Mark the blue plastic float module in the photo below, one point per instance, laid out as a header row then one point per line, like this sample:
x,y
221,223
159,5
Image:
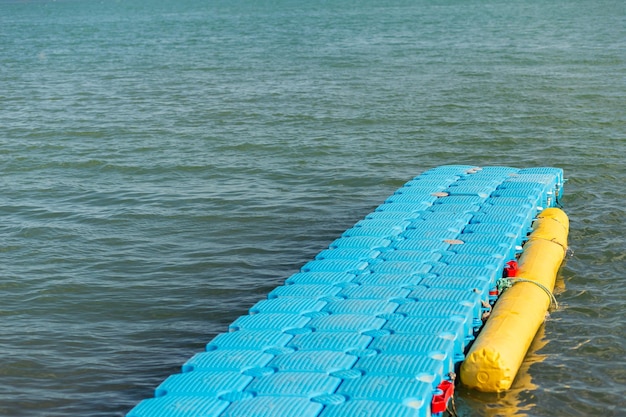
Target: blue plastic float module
x,y
376,322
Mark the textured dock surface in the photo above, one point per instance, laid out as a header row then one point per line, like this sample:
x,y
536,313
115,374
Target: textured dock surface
x,y
375,323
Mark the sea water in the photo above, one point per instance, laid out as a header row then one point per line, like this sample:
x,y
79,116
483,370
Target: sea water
x,y
165,164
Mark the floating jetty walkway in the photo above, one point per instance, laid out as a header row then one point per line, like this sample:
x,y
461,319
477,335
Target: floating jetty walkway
x,y
379,323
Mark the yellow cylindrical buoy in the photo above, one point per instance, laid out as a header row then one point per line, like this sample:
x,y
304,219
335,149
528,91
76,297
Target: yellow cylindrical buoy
x,y
498,351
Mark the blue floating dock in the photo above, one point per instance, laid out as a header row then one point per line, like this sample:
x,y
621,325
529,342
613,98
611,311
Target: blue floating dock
x,y
378,323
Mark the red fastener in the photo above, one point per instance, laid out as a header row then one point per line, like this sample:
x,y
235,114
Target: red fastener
x,y
511,269
440,401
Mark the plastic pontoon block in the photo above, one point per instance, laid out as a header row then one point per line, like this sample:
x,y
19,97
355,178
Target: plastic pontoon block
x,y
377,321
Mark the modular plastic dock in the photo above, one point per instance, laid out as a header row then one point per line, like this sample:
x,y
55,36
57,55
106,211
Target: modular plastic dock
x,y
378,323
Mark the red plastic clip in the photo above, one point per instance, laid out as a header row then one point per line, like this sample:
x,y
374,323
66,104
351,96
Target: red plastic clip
x,y
511,269
440,401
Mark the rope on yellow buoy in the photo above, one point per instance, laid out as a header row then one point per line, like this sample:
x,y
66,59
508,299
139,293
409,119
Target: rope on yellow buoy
x,y
505,283
497,353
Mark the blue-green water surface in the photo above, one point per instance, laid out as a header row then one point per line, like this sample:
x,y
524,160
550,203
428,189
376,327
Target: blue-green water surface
x,y
166,164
